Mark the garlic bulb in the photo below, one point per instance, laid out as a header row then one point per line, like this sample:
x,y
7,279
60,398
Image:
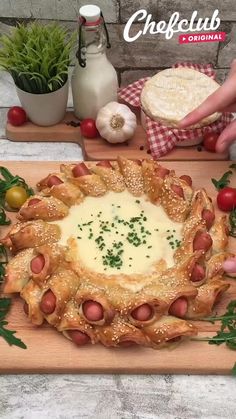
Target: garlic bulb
x,y
116,122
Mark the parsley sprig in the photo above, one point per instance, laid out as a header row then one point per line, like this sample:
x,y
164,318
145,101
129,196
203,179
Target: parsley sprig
x,y
227,332
3,218
8,335
232,223
7,181
3,262
225,179
233,371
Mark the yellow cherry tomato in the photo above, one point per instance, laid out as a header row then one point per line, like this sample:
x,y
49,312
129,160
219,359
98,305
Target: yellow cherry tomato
x,y
16,196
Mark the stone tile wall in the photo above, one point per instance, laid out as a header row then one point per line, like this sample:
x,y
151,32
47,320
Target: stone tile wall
x,y
149,53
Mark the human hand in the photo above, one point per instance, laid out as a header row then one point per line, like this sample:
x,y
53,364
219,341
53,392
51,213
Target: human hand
x,y
222,100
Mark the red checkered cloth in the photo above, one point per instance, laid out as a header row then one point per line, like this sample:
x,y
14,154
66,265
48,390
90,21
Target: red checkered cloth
x,y
162,139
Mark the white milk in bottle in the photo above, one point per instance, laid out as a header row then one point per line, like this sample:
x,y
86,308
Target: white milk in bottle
x,y
94,81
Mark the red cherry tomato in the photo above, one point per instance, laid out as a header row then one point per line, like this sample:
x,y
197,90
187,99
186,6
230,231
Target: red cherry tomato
x,y
88,128
16,116
209,141
226,199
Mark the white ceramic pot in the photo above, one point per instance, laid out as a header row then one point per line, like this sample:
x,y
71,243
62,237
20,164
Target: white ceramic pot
x,y
185,143
47,108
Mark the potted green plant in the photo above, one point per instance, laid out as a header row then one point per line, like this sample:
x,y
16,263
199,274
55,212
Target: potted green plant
x,y
37,57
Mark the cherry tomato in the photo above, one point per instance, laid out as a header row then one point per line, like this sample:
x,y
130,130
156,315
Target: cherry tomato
x,y
16,196
88,128
209,141
226,199
16,116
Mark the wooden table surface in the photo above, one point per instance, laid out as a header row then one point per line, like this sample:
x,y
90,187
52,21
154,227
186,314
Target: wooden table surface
x,y
63,356
102,396
98,148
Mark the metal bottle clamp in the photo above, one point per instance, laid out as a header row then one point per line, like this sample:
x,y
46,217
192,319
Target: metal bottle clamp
x,y
81,59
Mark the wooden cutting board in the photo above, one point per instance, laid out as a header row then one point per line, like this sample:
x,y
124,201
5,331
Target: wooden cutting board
x,y
98,148
48,351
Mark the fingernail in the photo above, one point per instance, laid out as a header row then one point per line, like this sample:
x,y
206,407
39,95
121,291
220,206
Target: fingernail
x,y
229,266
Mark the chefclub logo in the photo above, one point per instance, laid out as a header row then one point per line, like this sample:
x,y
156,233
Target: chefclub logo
x,y
176,25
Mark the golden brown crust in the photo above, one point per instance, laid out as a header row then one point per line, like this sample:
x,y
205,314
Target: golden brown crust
x,y
219,235
132,174
48,209
207,296
200,201
32,295
31,234
120,331
168,329
214,265
53,256
176,207
64,284
71,320
66,192
186,248
152,182
72,284
94,294
18,271
111,177
91,185
43,183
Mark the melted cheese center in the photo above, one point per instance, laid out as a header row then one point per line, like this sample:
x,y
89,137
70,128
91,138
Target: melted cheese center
x,y
119,233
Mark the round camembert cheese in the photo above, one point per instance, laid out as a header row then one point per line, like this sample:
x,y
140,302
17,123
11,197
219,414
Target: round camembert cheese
x,y
171,94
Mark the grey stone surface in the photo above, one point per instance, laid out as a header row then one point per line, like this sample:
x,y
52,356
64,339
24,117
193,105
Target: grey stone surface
x,y
154,51
3,118
129,76
100,396
10,150
55,9
227,51
163,9
117,397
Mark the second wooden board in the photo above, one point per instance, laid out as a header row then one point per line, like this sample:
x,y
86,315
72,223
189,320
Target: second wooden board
x,y
99,149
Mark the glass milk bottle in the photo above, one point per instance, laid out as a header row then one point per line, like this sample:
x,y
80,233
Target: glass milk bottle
x,y
94,81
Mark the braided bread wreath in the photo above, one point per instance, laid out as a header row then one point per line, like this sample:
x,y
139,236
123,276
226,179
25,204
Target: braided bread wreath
x,y
118,253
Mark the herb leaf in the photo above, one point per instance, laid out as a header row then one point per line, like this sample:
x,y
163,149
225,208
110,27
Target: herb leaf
x,y
233,371
227,332
233,166
223,181
3,218
8,335
232,222
3,262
